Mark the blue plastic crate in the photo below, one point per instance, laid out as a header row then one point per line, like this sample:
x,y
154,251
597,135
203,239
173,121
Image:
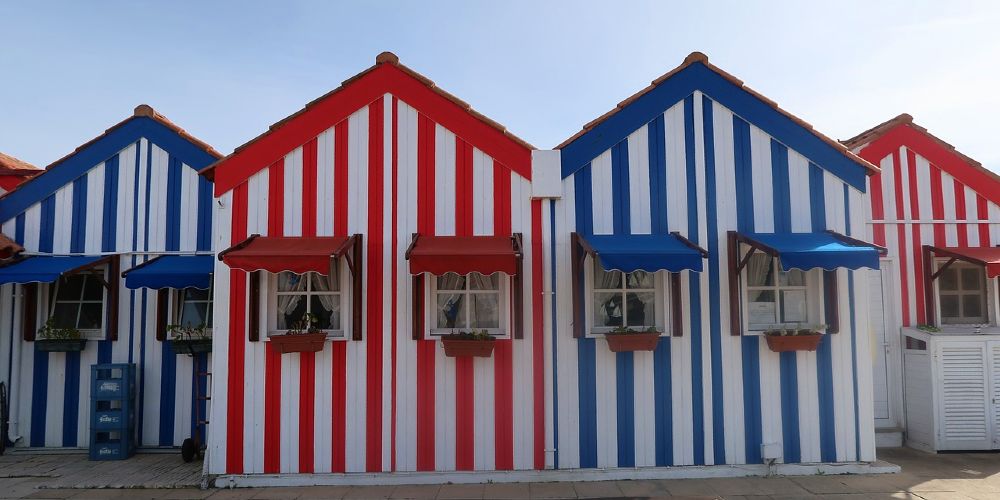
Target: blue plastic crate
x,y
112,420
112,381
111,445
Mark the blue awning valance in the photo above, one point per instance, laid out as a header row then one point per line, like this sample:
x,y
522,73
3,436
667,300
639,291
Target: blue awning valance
x,y
44,269
644,252
827,250
172,271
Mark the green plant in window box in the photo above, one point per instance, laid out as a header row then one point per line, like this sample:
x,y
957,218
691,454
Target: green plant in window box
x,y
302,336
625,339
795,338
928,328
54,339
468,344
190,340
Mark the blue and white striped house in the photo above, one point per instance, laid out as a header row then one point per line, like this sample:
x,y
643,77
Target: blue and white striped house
x,y
698,154
130,195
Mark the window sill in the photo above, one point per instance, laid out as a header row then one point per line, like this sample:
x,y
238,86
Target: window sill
x,y
335,335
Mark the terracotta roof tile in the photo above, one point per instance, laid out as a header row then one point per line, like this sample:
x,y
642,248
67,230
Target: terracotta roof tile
x,y
13,166
698,57
9,247
383,58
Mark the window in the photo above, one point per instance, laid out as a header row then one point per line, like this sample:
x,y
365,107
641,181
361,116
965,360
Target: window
x,y
296,295
78,302
469,302
962,292
775,298
195,308
623,299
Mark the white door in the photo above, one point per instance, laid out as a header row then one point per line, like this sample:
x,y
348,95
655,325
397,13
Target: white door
x,y
965,415
885,350
994,387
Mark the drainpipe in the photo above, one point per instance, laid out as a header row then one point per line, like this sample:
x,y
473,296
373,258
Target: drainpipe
x,y
16,345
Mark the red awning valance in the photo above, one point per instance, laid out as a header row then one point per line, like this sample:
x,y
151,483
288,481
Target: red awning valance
x,y
464,254
988,257
287,253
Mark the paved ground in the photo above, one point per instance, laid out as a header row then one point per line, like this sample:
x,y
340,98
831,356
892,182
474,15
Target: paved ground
x,y
924,476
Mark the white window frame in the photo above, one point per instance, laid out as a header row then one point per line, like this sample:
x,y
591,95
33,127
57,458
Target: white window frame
x,y
99,272
814,296
503,329
178,305
988,291
269,303
662,301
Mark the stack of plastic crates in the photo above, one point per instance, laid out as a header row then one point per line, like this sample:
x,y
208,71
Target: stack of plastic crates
x,y
112,411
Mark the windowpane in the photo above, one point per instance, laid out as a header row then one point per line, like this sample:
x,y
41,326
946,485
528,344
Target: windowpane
x,y
93,289
639,279
795,277
322,308
971,278
480,282
793,306
194,314
760,270
324,283
608,309
70,287
606,280
949,306
64,315
948,279
195,294
641,310
291,311
451,281
763,310
451,310
485,310
290,282
972,306
90,316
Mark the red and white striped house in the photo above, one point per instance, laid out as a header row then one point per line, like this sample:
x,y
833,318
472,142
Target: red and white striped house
x,y
376,171
929,202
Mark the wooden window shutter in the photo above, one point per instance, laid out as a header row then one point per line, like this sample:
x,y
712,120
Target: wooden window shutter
x,y
831,302
578,258
735,315
418,307
676,309
356,288
29,319
253,322
114,283
162,313
517,282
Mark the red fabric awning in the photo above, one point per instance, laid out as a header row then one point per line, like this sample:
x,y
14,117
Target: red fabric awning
x,y
464,254
286,253
988,257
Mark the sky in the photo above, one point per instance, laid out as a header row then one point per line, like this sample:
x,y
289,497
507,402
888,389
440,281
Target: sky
x,y
226,70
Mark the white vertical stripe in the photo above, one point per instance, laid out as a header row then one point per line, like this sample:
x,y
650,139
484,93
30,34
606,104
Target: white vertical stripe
x,y
444,176
638,178
293,193
602,193
482,196
324,183
94,217
673,125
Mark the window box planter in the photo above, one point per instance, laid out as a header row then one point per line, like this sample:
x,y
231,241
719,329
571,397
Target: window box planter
x,y
191,346
468,345
298,342
60,345
630,341
803,340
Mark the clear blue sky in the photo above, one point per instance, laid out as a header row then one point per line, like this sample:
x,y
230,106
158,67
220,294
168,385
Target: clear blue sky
x,y
226,70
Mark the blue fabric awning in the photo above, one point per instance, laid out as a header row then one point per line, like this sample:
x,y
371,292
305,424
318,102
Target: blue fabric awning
x,y
43,268
806,251
644,252
172,271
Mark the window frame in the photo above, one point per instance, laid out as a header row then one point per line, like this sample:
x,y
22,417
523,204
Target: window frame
x,y
503,324
813,290
661,300
178,305
270,302
97,272
986,294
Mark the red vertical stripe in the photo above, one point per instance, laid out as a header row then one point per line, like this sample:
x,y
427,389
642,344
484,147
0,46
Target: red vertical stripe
x,y
878,209
307,360
503,378
338,427
918,264
537,335
961,214
395,189
904,282
272,358
425,348
374,241
237,341
937,205
465,375
340,179
982,211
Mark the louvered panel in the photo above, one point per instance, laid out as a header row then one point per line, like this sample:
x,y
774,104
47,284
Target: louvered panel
x,y
995,391
965,412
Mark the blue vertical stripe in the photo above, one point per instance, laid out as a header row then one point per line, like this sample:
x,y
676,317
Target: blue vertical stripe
x,y
46,222
168,359
204,214
620,188
657,176
697,384
854,332
19,229
173,223
586,360
40,367
77,244
135,247
144,293
78,229
824,353
625,372
714,292
788,364
555,335
752,425
109,234
663,405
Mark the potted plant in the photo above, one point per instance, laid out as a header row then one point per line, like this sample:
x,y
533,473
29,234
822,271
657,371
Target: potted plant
x,y
190,340
468,344
303,336
794,339
624,339
54,339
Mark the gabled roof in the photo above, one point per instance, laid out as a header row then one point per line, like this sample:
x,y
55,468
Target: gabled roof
x,y
145,122
881,140
13,166
696,73
388,75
